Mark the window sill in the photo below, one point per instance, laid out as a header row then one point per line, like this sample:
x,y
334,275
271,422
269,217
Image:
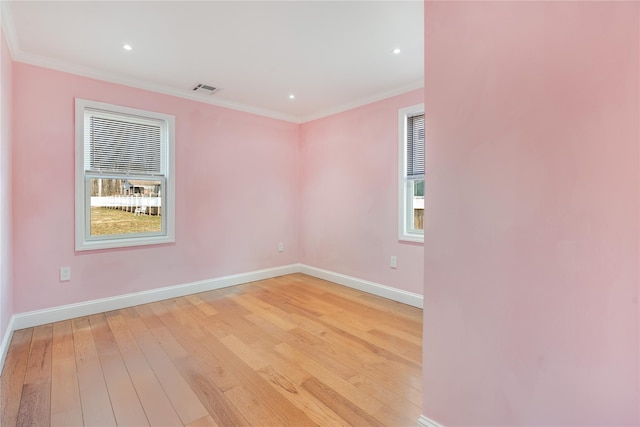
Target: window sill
x,y
413,238
91,245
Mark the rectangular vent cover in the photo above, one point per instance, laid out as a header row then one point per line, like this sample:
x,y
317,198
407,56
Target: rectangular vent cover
x,y
199,87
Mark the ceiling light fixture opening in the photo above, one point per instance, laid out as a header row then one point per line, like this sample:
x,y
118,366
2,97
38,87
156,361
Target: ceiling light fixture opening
x,y
127,47
396,51
292,96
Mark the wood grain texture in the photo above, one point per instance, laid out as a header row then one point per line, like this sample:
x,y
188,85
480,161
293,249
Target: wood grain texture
x,y
15,366
293,350
66,408
35,403
96,406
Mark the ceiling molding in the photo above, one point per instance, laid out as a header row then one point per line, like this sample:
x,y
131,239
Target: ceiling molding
x,y
419,84
8,28
51,63
66,67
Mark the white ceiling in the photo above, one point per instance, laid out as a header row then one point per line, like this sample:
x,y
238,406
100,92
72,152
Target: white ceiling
x,y
333,55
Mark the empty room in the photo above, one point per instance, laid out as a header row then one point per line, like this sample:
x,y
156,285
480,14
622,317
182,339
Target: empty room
x,y
329,213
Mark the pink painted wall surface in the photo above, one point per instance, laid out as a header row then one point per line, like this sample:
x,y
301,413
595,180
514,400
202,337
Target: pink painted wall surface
x,y
532,254
349,195
236,194
6,295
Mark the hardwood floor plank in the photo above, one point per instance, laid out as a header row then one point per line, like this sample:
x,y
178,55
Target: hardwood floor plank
x,y
243,352
155,402
204,373
395,313
203,422
191,339
182,397
343,407
66,407
214,400
96,405
13,374
364,313
35,403
382,412
296,304
292,350
273,372
380,345
317,412
393,394
124,399
253,407
269,312
253,383
409,350
202,305
390,331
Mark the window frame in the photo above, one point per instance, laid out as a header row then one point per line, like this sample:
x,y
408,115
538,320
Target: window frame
x,y
405,205
83,239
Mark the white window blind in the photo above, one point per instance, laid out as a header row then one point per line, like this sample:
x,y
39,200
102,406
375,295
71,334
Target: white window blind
x,y
122,144
415,147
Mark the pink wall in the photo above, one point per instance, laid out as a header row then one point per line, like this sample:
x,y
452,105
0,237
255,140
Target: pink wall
x,y
349,195
6,297
531,255
236,192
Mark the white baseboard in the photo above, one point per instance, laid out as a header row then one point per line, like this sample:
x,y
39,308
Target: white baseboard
x,y
87,308
405,297
56,314
426,422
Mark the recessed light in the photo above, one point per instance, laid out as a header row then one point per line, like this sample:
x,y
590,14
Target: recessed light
x,y
292,96
127,47
396,51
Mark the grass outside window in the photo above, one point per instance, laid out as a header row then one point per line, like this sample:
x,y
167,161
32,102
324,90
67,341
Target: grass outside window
x,y
105,222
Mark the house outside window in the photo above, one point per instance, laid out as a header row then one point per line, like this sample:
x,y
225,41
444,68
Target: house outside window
x,y
411,173
124,176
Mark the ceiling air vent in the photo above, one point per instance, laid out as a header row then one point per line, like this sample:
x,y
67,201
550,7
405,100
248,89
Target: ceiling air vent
x,y
199,87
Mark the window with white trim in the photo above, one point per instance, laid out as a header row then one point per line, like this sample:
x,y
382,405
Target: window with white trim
x,y
124,176
411,173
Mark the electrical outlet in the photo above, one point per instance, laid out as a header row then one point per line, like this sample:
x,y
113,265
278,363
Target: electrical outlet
x,y
281,247
394,262
65,274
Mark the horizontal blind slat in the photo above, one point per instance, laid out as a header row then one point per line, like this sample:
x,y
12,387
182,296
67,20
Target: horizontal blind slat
x,y
415,146
123,146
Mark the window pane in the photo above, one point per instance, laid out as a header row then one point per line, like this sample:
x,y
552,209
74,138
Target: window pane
x,y
125,206
418,188
416,204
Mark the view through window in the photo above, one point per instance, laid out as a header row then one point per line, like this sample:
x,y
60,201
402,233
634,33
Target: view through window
x,y
125,206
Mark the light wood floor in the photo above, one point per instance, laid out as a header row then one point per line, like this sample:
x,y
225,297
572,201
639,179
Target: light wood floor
x,y
290,351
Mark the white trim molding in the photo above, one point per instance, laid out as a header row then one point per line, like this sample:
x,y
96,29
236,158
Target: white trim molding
x,y
56,314
426,422
406,233
405,297
19,55
87,308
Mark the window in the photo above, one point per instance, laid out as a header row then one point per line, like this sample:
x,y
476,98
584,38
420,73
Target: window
x,y
124,176
411,173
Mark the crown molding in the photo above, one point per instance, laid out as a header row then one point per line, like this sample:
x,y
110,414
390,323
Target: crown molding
x,y
93,73
46,62
418,84
9,30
